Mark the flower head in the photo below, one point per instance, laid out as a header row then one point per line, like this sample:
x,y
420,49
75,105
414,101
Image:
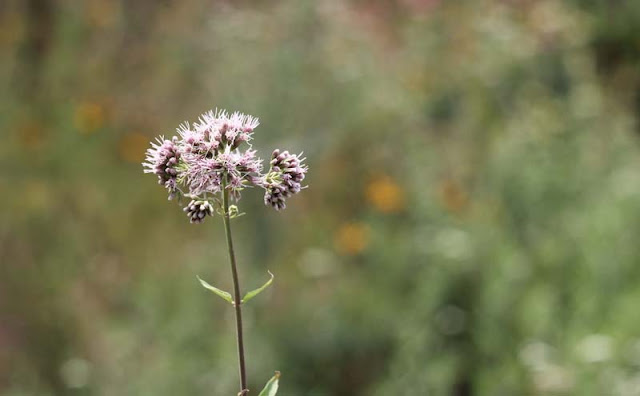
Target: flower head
x,y
205,175
206,157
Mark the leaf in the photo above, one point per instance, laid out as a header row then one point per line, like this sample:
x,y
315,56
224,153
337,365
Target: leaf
x,y
255,292
272,386
221,293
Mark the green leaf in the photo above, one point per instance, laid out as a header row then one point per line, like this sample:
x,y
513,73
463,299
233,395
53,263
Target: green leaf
x,y
255,292
221,293
272,386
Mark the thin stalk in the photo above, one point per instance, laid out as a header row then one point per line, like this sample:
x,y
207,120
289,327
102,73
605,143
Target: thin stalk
x,y
236,288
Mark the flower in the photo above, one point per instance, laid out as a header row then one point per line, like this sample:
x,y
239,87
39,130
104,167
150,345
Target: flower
x,y
205,157
284,178
385,195
352,238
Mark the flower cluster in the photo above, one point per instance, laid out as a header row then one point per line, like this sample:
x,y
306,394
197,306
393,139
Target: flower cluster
x,y
205,159
284,178
162,159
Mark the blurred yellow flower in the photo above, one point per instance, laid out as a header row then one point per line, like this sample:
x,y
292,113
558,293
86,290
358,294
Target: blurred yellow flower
x,y
88,117
385,195
132,147
352,238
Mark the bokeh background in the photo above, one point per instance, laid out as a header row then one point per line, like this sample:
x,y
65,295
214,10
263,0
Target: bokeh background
x,y
471,225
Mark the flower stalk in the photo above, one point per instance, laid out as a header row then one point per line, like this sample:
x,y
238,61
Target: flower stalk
x,y
236,288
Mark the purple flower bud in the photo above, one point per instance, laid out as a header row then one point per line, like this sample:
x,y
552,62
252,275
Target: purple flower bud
x,y
283,180
161,160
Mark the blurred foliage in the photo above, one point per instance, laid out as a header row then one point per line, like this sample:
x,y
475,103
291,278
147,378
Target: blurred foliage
x,y
470,226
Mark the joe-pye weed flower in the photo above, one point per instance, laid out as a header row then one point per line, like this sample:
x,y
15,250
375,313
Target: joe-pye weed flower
x,y
211,162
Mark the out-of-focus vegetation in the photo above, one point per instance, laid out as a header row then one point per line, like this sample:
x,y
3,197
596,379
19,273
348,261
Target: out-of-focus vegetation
x,y
470,228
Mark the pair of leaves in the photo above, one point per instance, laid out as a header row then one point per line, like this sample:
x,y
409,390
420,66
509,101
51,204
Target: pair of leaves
x,y
271,389
227,296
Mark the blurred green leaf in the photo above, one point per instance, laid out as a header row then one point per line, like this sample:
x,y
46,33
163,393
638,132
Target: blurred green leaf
x,y
272,386
221,293
255,292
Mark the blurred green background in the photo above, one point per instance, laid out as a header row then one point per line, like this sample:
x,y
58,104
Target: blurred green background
x,y
471,225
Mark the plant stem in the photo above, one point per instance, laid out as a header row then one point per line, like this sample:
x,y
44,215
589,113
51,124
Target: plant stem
x,y
236,288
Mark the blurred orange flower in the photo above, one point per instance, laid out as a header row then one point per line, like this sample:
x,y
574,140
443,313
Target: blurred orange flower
x,y
352,238
132,147
385,195
88,117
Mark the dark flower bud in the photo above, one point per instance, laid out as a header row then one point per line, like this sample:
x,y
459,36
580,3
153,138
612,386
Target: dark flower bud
x,y
198,210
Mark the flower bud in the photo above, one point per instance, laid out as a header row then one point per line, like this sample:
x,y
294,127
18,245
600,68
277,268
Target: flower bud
x,y
198,210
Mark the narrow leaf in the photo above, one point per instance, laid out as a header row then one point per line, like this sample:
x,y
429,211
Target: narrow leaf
x,y
272,386
221,293
255,292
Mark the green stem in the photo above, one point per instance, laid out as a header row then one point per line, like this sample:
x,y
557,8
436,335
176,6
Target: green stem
x,y
236,288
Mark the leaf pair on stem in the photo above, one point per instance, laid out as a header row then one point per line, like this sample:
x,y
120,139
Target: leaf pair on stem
x,y
271,389
227,296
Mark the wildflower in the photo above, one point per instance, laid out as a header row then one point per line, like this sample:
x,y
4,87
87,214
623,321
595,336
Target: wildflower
x,y
284,178
352,238
206,162
385,195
